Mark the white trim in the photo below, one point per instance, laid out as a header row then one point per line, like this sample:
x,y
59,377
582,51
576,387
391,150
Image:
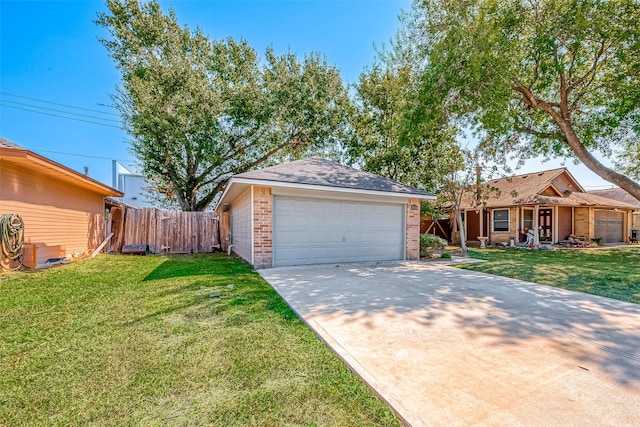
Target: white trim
x,y
554,229
252,222
268,183
533,221
536,222
333,195
405,221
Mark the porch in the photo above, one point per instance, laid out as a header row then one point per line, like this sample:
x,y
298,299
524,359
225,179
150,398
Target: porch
x,y
547,224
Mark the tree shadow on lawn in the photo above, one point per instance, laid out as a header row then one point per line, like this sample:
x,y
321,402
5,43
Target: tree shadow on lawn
x,y
199,265
489,311
229,283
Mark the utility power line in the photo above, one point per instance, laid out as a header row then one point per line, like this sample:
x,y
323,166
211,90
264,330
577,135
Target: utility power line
x,y
59,104
127,161
60,111
62,117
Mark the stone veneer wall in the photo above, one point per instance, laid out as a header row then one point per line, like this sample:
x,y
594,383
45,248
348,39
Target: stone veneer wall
x,y
413,230
262,231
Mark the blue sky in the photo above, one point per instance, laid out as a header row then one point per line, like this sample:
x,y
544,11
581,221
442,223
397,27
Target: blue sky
x,y
49,51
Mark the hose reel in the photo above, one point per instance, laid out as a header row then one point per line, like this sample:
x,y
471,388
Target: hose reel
x,y
11,237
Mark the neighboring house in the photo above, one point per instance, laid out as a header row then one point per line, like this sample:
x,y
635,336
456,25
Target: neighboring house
x,y
62,210
622,196
314,211
134,186
552,203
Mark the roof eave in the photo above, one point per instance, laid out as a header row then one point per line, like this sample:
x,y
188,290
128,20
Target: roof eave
x,y
283,184
67,173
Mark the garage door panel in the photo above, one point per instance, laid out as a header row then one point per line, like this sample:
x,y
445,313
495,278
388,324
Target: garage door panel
x,y
312,231
300,221
285,238
300,206
318,220
317,236
609,225
353,221
319,207
334,208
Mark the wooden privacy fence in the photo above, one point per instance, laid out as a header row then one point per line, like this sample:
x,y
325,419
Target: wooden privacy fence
x,y
164,231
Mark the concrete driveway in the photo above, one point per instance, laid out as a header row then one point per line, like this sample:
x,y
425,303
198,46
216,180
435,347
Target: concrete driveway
x,y
446,347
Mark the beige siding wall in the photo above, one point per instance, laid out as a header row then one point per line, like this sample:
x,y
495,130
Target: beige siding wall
x,y
241,226
564,223
503,236
59,219
584,223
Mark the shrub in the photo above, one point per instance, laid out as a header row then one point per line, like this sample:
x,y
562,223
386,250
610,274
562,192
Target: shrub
x,y
446,255
431,245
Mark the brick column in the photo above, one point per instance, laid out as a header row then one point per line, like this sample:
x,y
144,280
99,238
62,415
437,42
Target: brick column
x,y
413,229
262,233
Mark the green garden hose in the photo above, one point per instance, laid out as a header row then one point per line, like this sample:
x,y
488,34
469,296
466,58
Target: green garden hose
x,y
11,236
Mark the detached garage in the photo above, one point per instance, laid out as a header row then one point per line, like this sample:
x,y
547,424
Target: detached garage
x,y
314,211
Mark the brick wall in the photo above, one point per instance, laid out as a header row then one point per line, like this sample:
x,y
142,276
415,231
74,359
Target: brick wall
x,y
262,232
413,230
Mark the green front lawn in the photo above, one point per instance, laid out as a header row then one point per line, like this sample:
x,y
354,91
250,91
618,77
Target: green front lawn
x,y
125,340
608,273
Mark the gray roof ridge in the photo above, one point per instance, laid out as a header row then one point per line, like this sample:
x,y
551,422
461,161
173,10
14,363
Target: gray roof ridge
x,y
324,172
5,143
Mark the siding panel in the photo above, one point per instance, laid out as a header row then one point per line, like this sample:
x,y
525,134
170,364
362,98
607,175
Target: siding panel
x,y
241,227
59,219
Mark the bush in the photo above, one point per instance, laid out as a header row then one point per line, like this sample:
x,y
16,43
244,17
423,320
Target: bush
x,y
446,255
431,245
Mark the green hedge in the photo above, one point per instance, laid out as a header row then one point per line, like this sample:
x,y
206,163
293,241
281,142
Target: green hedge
x,y
431,244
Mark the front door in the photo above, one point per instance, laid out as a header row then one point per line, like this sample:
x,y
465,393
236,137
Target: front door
x,y
546,227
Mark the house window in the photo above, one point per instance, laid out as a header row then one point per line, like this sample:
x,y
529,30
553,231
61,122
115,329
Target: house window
x,y
501,220
527,219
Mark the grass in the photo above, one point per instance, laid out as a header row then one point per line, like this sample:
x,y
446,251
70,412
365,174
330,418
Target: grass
x,y
608,273
122,340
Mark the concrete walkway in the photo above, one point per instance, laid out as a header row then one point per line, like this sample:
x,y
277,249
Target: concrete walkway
x,y
449,347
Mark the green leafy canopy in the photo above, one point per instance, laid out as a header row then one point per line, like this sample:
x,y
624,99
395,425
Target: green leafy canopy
x,y
537,77
199,110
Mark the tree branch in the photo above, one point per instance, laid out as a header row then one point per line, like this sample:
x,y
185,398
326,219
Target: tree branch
x,y
591,71
546,135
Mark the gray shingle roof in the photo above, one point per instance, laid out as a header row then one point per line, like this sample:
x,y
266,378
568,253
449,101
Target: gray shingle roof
x,y
5,143
322,172
525,189
617,194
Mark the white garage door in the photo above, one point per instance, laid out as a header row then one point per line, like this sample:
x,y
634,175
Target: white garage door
x,y
310,231
609,225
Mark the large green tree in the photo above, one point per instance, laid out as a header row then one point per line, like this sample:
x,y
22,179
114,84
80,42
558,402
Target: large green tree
x,y
384,137
536,77
200,110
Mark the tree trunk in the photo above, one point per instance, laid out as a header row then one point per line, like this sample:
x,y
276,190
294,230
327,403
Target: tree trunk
x,y
593,164
562,119
463,239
